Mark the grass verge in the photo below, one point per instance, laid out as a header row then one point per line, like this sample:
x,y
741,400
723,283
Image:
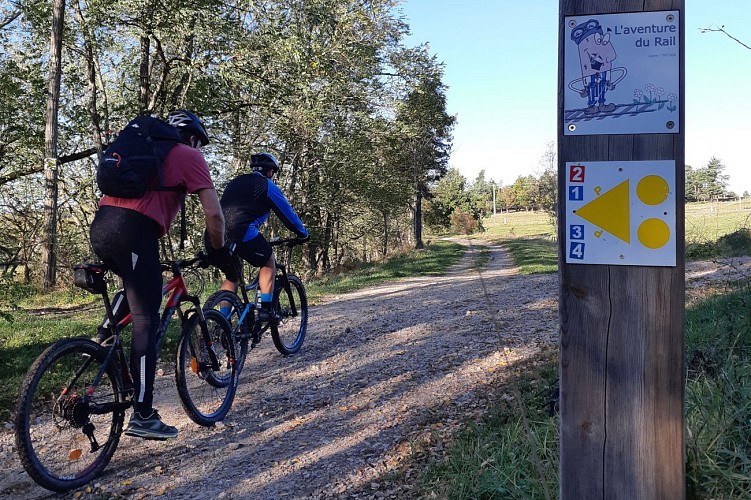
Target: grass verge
x,y
432,260
512,452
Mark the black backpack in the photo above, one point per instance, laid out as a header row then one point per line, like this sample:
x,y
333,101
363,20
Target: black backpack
x,y
132,164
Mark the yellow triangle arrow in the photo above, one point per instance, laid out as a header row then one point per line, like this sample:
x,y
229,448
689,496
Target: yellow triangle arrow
x,y
610,211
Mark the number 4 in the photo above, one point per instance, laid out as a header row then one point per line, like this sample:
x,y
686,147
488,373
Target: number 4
x,y
576,251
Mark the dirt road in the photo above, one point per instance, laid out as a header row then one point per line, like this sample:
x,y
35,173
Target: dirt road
x,y
379,367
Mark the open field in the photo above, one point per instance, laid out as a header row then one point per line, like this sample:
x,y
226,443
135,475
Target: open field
x,y
706,223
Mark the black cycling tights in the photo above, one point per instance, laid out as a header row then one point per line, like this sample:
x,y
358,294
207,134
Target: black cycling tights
x,y
127,241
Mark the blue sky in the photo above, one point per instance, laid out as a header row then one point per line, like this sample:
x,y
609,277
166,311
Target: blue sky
x,y
501,67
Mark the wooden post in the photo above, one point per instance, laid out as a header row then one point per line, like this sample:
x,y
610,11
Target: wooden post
x,y
622,348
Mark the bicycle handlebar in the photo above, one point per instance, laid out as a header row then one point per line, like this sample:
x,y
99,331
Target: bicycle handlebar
x,y
290,242
175,265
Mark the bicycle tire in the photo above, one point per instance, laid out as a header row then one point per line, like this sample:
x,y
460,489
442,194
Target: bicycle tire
x,y
50,424
236,308
195,280
292,306
206,395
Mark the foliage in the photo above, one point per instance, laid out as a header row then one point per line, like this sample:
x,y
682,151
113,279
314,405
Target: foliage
x,y
357,116
454,207
708,183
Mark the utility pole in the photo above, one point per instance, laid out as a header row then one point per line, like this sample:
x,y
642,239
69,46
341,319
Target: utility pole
x,y
621,234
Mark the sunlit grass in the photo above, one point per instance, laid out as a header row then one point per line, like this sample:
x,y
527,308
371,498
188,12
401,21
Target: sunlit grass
x,y
432,260
519,224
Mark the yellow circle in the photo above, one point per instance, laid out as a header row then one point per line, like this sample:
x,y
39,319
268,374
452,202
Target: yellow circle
x,y
653,233
652,190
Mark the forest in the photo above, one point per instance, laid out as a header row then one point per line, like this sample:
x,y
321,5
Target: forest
x,y
357,117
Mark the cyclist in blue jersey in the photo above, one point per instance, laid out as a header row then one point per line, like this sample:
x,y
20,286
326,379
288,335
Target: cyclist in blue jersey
x,y
246,203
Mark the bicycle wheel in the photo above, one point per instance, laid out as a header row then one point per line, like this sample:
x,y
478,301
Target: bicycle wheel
x,y
62,443
292,306
206,394
195,280
217,301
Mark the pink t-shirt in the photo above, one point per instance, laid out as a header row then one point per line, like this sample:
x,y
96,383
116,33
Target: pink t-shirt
x,y
184,167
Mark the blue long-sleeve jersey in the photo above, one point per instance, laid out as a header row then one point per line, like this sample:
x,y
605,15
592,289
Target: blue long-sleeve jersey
x,y
247,201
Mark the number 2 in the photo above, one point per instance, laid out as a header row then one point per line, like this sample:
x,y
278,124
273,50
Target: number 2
x,y
576,173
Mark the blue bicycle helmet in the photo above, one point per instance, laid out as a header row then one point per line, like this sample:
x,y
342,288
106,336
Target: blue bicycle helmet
x,y
263,162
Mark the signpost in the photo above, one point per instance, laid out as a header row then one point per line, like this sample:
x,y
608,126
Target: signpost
x,y
621,241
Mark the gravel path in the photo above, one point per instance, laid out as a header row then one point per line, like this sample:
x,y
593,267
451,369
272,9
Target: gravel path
x,y
381,369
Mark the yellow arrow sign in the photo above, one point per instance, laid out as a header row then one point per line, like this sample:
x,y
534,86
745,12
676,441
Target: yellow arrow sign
x,y
610,211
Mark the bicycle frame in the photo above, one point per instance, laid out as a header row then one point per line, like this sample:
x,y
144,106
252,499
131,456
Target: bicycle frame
x,y
281,271
178,293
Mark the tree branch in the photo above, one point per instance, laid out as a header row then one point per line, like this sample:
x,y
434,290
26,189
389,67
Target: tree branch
x,y
9,18
721,29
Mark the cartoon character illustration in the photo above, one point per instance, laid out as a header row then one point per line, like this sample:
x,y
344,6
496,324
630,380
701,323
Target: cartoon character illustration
x,y
596,55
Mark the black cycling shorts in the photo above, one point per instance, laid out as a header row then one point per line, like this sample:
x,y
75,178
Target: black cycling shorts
x,y
256,251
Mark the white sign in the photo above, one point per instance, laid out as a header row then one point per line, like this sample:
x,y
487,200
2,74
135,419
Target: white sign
x,y
620,212
621,73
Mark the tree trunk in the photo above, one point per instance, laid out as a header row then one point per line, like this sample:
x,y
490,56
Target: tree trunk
x,y
385,247
96,128
418,218
49,247
143,96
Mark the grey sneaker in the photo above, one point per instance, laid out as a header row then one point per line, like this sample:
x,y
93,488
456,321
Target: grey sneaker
x,y
150,427
268,316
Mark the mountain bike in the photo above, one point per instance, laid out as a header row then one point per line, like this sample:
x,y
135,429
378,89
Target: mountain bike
x,y
290,302
72,401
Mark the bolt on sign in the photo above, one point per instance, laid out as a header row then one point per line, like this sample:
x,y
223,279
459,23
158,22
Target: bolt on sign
x,y
621,213
621,73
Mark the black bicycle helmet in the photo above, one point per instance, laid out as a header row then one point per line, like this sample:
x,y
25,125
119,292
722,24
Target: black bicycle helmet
x,y
263,162
188,124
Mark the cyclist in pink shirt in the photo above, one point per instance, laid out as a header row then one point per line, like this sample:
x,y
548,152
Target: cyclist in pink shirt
x,y
125,235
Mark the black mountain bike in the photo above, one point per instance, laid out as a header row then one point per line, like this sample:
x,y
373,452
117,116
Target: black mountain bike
x,y
73,399
290,302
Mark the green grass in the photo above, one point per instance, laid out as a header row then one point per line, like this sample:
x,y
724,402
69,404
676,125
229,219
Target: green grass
x,y
718,396
497,457
482,258
520,224
533,255
432,260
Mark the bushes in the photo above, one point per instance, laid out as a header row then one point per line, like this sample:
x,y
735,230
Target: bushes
x,y
733,244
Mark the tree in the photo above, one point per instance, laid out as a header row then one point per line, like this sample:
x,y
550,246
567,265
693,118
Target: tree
x,y
49,247
357,117
481,195
427,131
716,181
548,182
707,183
